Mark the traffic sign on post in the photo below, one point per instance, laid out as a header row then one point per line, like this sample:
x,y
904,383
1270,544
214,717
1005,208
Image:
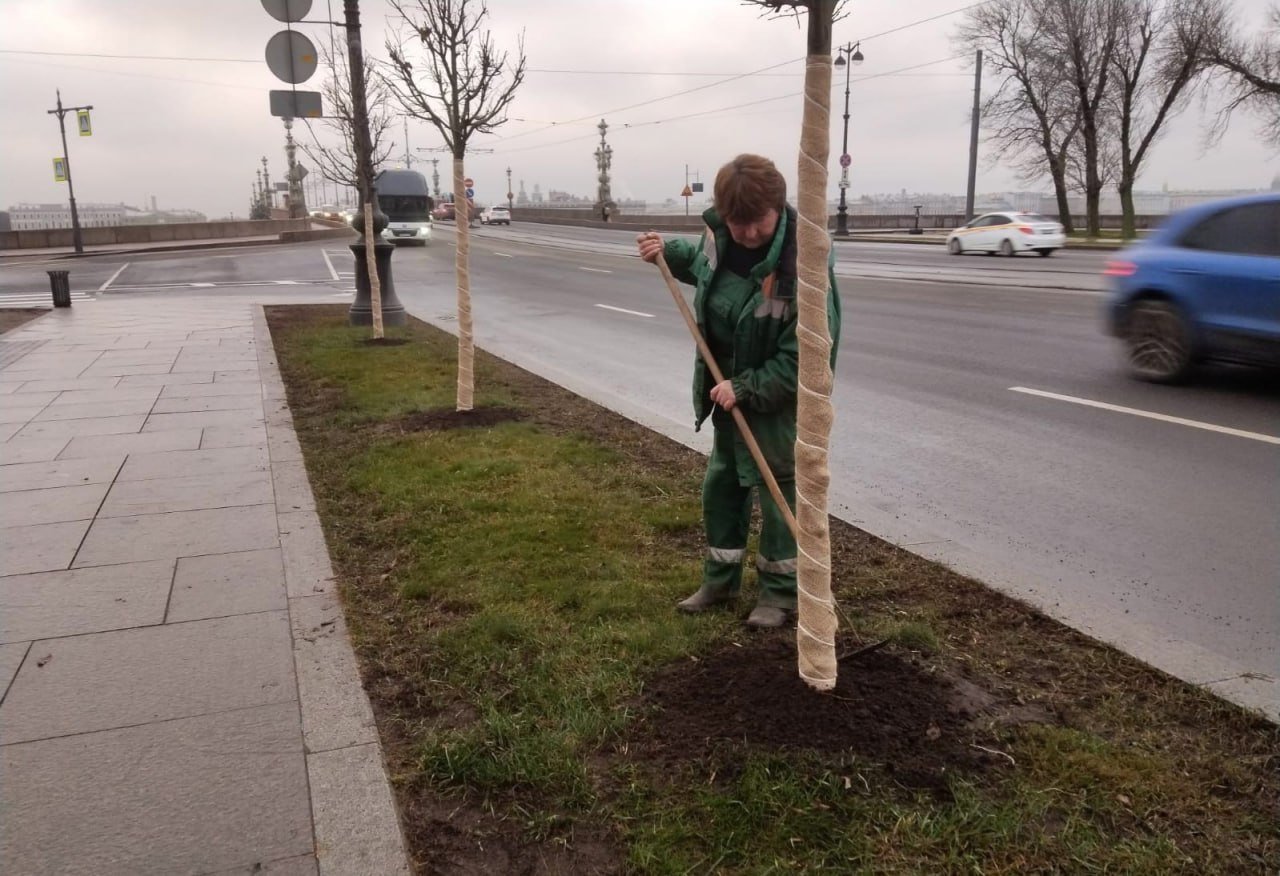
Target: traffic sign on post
x,y
291,57
296,104
287,10
845,160
687,192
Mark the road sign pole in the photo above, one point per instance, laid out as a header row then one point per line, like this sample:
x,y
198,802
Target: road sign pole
x,y
77,239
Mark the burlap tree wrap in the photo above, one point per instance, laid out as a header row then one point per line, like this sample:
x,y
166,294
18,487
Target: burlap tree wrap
x,y
816,616
466,344
371,265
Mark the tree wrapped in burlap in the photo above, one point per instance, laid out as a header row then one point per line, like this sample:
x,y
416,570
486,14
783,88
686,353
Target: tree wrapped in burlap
x,y
816,614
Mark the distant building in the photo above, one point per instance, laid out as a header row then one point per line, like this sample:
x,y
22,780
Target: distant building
x,y
4,221
37,217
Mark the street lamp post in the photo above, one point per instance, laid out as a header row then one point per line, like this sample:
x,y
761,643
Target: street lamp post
x,y
846,56
77,239
510,195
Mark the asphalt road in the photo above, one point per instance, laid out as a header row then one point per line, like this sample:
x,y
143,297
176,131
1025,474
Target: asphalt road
x,y
967,430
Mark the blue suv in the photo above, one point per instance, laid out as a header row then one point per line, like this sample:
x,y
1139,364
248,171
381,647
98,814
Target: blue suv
x,y
1205,285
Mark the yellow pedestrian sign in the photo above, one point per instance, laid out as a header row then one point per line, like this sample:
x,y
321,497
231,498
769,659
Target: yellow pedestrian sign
x,y
59,170
687,193
82,120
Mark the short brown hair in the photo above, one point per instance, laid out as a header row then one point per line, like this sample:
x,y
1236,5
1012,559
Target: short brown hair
x,y
748,187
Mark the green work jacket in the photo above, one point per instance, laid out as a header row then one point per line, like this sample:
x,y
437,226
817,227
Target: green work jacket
x,y
765,357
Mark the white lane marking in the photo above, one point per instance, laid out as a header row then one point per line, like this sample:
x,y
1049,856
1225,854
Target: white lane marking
x,y
329,263
202,285
594,270
624,310
1164,418
285,282
103,287
505,255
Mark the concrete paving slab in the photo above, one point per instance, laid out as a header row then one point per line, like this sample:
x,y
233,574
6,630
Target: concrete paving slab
x,y
171,379
138,357
8,430
163,495
254,434
102,681
40,548
201,390
231,376
357,830
302,866
11,656
179,463
178,534
202,419
19,413
68,603
195,795
292,489
54,505
219,585
64,429
195,404
107,369
30,398
65,384
307,570
15,450
86,410
97,396
142,442
60,473
335,710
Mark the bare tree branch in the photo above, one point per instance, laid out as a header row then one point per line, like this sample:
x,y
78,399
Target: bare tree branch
x,y
1248,69
334,156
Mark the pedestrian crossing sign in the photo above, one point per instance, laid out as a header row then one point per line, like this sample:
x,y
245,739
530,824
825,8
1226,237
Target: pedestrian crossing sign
x,y
59,170
82,120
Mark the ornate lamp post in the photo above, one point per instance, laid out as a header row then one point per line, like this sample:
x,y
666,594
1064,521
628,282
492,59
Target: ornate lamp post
x,y
846,56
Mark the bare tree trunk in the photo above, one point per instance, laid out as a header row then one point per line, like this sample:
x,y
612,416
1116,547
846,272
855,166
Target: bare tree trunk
x,y
1059,174
816,624
1128,224
371,264
466,344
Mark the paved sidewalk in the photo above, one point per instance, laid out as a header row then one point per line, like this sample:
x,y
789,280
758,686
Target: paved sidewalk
x,y
179,694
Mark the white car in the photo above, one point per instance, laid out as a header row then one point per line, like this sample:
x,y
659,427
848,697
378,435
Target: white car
x,y
495,216
1008,234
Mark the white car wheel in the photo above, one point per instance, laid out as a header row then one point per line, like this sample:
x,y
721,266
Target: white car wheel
x,y
955,247
1006,248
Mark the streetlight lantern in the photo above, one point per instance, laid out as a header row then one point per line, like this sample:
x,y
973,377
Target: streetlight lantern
x,y
853,53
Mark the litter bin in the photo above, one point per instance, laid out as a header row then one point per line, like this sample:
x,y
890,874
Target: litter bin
x,y
60,283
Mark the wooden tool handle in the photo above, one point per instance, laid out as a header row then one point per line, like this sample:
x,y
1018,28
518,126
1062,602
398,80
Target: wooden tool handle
x,y
769,480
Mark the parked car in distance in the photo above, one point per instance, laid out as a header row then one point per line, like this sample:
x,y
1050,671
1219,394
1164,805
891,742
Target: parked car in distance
x,y
1008,233
495,216
1203,286
443,211
328,211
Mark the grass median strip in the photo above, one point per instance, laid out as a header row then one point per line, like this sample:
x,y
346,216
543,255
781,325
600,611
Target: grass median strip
x,y
510,574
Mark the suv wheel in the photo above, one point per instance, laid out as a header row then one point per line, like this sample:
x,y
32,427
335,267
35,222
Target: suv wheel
x,y
1157,343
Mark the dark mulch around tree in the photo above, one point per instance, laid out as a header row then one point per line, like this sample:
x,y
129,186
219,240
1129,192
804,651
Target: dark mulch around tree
x,y
385,342
443,419
885,708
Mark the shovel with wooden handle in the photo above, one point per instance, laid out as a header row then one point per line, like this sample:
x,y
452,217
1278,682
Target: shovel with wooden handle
x,y
738,417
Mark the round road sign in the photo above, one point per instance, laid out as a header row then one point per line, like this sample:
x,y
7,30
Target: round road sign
x,y
845,160
287,10
471,193
291,56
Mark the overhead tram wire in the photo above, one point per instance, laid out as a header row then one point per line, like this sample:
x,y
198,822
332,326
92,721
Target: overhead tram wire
x,y
625,126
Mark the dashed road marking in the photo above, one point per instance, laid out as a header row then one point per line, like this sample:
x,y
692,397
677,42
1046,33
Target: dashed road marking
x,y
624,310
329,263
1150,415
505,255
594,270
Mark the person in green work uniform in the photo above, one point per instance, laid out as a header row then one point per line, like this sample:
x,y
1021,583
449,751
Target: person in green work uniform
x,y
744,271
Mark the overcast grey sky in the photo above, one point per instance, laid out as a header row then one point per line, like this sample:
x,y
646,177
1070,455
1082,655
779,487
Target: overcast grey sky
x,y
192,132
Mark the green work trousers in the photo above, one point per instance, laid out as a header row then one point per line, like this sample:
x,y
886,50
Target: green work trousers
x,y
726,512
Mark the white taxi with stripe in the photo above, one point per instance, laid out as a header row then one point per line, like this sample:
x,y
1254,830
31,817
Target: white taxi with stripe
x,y
1008,233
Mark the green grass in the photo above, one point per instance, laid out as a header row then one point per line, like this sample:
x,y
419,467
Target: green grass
x,y
509,593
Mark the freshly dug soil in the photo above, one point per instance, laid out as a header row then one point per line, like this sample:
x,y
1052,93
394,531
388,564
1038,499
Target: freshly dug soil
x,y
885,708
443,419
